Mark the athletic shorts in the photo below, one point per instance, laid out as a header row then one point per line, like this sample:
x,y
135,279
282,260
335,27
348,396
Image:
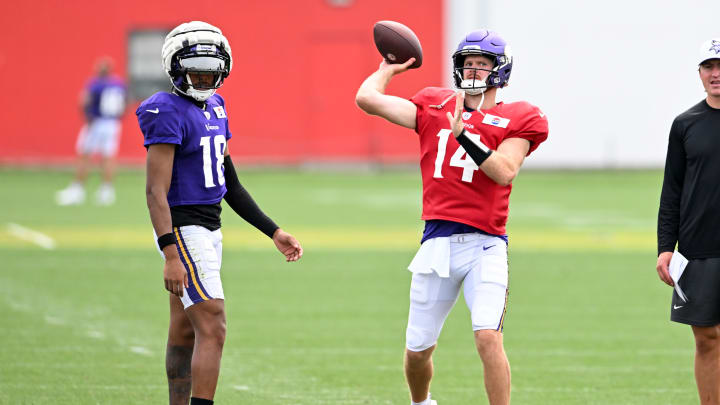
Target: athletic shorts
x,y
701,284
475,262
101,136
200,252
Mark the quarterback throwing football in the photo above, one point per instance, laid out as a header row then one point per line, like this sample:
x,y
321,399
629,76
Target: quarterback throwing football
x,y
471,149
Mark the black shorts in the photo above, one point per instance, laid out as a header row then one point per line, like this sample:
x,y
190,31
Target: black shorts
x,y
701,284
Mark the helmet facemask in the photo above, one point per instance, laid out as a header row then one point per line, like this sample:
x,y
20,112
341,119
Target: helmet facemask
x,y
487,44
476,86
207,63
473,86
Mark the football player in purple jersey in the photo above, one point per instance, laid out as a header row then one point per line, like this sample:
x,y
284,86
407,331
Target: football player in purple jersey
x,y
103,103
189,173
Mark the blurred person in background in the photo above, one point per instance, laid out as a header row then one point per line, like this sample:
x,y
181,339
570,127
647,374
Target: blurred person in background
x,y
103,104
466,188
189,173
689,216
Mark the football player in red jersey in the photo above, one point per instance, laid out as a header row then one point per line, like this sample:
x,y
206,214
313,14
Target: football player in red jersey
x,y
467,179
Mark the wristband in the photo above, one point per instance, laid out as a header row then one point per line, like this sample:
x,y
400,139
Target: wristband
x,y
165,240
478,152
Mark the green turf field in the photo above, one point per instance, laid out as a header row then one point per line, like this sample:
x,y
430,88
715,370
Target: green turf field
x,y
85,322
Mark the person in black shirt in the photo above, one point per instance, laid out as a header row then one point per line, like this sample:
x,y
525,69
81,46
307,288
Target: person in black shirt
x,y
689,215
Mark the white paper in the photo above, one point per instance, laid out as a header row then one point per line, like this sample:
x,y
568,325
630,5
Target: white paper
x,y
677,266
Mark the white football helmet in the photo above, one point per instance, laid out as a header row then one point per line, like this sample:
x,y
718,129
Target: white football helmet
x,y
196,47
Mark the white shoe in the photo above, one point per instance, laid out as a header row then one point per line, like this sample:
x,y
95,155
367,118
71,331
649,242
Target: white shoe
x,y
429,401
105,195
74,194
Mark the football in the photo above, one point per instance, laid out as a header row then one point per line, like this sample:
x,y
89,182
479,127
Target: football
x,y
397,43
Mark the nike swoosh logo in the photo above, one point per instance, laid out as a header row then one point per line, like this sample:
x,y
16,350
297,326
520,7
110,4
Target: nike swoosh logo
x,y
155,111
487,247
677,306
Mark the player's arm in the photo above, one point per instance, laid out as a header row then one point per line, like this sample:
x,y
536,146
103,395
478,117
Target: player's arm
x,y
501,165
125,101
159,173
669,212
504,164
84,102
372,99
243,204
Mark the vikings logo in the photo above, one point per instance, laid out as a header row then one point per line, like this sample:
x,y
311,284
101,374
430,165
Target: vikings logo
x,y
715,46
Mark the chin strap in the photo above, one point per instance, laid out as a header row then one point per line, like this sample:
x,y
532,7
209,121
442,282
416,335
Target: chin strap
x,y
200,104
200,95
442,105
470,88
197,95
482,100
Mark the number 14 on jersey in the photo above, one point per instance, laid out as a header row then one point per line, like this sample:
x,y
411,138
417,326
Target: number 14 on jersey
x,y
459,159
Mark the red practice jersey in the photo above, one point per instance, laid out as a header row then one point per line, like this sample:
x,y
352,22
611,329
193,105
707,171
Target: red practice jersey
x,y
454,188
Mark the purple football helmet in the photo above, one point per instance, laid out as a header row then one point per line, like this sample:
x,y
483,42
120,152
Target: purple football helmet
x,y
488,44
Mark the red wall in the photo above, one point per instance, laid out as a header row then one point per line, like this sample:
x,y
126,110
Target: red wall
x,y
290,96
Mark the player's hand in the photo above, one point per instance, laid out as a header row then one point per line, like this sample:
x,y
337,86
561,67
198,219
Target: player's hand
x,y
395,68
287,245
663,263
175,275
456,123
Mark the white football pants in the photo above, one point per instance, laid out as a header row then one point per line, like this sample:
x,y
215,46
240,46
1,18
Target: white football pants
x,y
200,252
101,136
474,261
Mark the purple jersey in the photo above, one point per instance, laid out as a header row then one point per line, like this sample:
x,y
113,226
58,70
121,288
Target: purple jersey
x,y
106,98
200,136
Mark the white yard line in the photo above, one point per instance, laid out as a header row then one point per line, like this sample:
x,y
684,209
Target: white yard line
x,y
54,320
91,331
140,350
29,235
96,334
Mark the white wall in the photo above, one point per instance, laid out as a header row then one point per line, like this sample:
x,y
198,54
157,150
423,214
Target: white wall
x,y
610,75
